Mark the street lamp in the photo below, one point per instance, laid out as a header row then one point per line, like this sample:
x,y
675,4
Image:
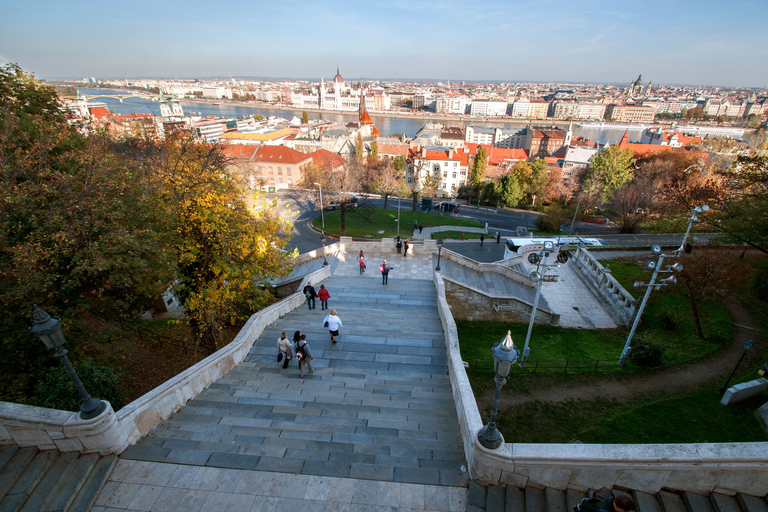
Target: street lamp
x,y
504,356
538,277
49,331
322,217
748,346
656,268
439,250
325,261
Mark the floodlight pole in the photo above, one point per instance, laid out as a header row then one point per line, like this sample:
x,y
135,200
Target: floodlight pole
x,y
626,351
576,212
322,217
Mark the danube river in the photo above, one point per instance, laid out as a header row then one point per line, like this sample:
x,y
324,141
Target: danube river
x,y
387,125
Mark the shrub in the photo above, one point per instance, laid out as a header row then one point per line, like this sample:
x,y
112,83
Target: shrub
x,y
646,354
57,391
669,318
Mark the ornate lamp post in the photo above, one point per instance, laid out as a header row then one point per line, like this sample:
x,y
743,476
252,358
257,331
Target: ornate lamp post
x,y
748,346
504,356
325,261
322,217
49,331
439,251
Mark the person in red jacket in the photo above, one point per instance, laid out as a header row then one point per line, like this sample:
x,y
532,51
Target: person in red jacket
x,y
323,295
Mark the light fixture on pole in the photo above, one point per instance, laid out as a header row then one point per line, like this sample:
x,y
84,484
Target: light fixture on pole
x,y
656,268
49,331
325,261
322,217
504,356
538,278
439,251
748,346
684,247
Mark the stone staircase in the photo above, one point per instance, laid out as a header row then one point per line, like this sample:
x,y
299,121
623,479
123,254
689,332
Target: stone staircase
x,y
378,407
535,499
50,481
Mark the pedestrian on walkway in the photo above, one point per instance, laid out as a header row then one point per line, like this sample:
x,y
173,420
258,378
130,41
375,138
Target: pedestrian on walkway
x,y
284,349
361,262
482,238
295,340
361,255
420,227
310,294
415,224
333,323
304,355
323,295
605,500
398,244
498,237
384,268
405,248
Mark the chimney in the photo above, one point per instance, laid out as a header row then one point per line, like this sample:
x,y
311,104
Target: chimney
x,y
450,153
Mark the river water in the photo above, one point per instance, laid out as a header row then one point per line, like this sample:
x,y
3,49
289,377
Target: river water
x,y
387,125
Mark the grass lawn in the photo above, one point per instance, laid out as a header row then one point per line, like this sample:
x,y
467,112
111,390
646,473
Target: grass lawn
x,y
375,223
697,417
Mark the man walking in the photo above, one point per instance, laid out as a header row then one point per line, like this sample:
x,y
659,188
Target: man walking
x,y
498,237
482,238
310,294
405,248
384,272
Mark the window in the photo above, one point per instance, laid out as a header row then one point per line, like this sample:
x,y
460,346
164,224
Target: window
x,y
445,174
258,167
280,180
437,167
288,170
454,176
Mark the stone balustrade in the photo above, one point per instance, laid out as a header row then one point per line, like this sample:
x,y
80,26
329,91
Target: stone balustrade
x,y
619,302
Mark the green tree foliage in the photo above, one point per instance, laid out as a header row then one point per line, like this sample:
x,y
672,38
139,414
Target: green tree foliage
x,y
57,391
304,117
374,149
76,228
531,178
510,190
479,164
610,170
359,149
223,248
553,218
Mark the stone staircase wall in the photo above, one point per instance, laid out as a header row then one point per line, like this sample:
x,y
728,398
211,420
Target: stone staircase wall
x,y
34,480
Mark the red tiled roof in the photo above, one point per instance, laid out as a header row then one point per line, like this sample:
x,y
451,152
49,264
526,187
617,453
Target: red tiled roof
x,y
640,149
393,149
98,112
279,154
245,151
327,159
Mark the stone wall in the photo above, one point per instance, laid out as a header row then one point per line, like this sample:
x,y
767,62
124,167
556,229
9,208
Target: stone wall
x,y
474,305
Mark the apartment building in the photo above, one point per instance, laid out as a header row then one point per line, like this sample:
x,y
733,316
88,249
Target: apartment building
x,y
630,113
450,164
578,110
488,108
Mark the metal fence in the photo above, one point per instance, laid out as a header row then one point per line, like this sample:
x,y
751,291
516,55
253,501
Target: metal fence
x,y
552,366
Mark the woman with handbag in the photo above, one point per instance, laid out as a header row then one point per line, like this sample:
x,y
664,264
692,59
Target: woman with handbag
x,y
332,322
284,349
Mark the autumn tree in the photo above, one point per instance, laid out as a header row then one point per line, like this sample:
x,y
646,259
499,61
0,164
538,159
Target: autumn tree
x,y
374,155
610,170
304,117
223,248
420,170
359,149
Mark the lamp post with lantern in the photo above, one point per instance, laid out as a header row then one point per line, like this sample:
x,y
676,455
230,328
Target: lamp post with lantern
x,y
325,261
322,216
505,354
439,251
49,331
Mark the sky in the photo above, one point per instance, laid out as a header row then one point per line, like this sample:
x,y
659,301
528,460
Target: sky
x,y
701,42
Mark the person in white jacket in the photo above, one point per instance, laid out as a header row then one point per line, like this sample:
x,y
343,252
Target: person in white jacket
x,y
332,322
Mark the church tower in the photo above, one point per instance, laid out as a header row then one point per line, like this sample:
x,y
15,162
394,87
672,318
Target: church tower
x,y
165,110
177,110
568,135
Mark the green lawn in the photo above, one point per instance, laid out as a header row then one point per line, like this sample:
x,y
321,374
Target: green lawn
x,y
374,223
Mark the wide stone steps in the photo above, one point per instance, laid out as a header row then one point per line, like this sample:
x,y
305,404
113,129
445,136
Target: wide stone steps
x,y
530,499
32,480
378,406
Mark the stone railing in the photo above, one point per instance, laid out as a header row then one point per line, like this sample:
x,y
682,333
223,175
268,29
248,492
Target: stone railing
x,y
699,468
112,432
620,304
501,269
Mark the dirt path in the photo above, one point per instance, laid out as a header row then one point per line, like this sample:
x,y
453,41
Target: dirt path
x,y
626,388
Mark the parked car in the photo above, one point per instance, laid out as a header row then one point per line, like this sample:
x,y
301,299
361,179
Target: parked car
x,y
449,206
351,202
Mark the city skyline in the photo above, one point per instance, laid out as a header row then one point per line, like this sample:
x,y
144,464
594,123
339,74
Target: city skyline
x,y
677,42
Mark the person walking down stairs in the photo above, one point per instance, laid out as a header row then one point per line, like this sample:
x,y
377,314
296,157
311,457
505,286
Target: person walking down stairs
x,y
333,323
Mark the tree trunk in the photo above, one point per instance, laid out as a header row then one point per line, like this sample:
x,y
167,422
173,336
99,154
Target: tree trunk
x,y
696,318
